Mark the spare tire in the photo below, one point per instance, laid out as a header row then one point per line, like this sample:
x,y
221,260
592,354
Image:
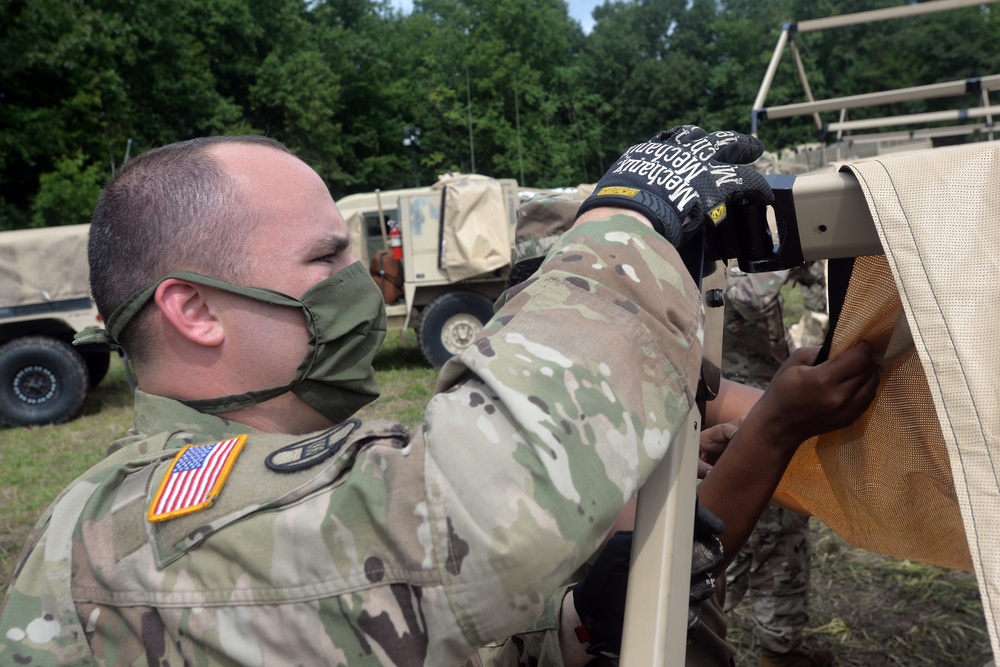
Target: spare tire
x,y
450,323
42,381
98,364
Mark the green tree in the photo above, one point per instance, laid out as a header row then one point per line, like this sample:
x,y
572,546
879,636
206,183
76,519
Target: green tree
x,y
644,82
364,36
55,62
82,78
67,196
339,80
489,54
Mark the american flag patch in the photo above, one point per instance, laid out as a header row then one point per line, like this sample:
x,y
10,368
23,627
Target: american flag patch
x,y
195,478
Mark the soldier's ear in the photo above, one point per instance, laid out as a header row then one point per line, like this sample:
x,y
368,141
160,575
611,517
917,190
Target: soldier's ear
x,y
191,311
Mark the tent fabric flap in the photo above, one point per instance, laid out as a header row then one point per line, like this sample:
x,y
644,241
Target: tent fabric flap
x,y
919,475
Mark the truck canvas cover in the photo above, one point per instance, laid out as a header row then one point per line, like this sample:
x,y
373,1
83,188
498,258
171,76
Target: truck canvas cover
x,y
43,265
471,238
476,238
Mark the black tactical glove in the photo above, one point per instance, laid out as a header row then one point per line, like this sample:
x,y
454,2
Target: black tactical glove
x,y
706,556
683,177
600,598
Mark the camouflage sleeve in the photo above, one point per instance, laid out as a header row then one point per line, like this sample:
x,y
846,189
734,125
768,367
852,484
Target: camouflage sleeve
x,y
809,274
538,646
39,621
569,398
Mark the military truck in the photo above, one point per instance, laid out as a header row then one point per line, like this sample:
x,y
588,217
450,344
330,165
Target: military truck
x,y
455,238
44,301
455,241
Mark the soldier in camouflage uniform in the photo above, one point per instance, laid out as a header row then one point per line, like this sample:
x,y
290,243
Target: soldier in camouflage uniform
x,y
540,222
333,541
249,519
774,564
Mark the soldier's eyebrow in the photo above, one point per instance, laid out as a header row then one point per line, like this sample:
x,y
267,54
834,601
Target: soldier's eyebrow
x,y
329,244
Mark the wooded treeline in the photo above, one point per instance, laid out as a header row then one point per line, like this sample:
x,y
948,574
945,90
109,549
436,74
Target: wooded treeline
x,y
83,84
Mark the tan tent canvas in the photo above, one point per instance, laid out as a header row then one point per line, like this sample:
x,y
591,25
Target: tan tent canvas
x,y
918,476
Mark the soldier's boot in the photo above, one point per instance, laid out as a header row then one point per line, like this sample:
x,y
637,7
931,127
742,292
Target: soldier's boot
x,y
796,659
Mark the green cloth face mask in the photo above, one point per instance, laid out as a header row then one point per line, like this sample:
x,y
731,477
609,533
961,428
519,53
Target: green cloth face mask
x,y
346,318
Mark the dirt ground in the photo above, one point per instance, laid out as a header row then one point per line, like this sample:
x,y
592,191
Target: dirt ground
x,y
872,610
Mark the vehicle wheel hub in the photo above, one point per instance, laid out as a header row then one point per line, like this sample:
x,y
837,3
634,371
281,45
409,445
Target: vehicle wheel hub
x,y
35,384
459,332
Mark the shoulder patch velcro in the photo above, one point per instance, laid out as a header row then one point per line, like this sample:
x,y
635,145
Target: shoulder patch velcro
x,y
313,450
195,478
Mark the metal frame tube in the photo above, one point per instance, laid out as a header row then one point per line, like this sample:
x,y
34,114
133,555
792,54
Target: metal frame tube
x,y
765,85
934,90
914,119
922,133
888,13
655,633
812,25
804,81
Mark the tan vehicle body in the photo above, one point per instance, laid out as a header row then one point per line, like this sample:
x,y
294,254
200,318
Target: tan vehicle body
x,y
44,301
456,237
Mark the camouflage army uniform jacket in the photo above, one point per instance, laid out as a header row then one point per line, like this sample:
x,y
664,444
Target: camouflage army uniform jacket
x,y
366,544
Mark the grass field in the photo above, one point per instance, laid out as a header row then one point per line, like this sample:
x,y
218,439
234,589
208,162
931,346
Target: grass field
x,y
870,610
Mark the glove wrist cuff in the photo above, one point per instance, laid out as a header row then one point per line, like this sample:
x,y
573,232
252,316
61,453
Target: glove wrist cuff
x,y
659,212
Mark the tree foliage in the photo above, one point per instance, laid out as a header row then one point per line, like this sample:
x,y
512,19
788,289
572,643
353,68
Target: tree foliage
x,y
510,88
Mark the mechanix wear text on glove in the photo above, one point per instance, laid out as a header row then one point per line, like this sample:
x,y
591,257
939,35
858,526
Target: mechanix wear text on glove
x,y
682,177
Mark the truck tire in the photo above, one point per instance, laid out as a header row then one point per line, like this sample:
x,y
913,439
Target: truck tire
x,y
98,364
42,381
450,323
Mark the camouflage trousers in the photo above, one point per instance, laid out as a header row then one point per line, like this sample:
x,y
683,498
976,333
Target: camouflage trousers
x,y
774,568
814,287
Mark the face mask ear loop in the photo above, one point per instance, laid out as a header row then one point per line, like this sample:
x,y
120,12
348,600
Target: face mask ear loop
x,y
246,399
128,309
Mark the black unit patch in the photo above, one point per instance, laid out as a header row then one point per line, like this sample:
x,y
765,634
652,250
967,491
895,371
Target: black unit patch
x,y
307,453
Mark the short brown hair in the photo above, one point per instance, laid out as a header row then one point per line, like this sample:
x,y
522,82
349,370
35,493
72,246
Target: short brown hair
x,y
170,209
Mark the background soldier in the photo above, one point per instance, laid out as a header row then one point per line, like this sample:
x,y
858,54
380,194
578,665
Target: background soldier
x,y
775,563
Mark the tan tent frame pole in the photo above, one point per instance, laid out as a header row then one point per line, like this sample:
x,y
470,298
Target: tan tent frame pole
x,y
804,81
886,14
930,91
922,133
772,67
759,111
914,119
655,633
